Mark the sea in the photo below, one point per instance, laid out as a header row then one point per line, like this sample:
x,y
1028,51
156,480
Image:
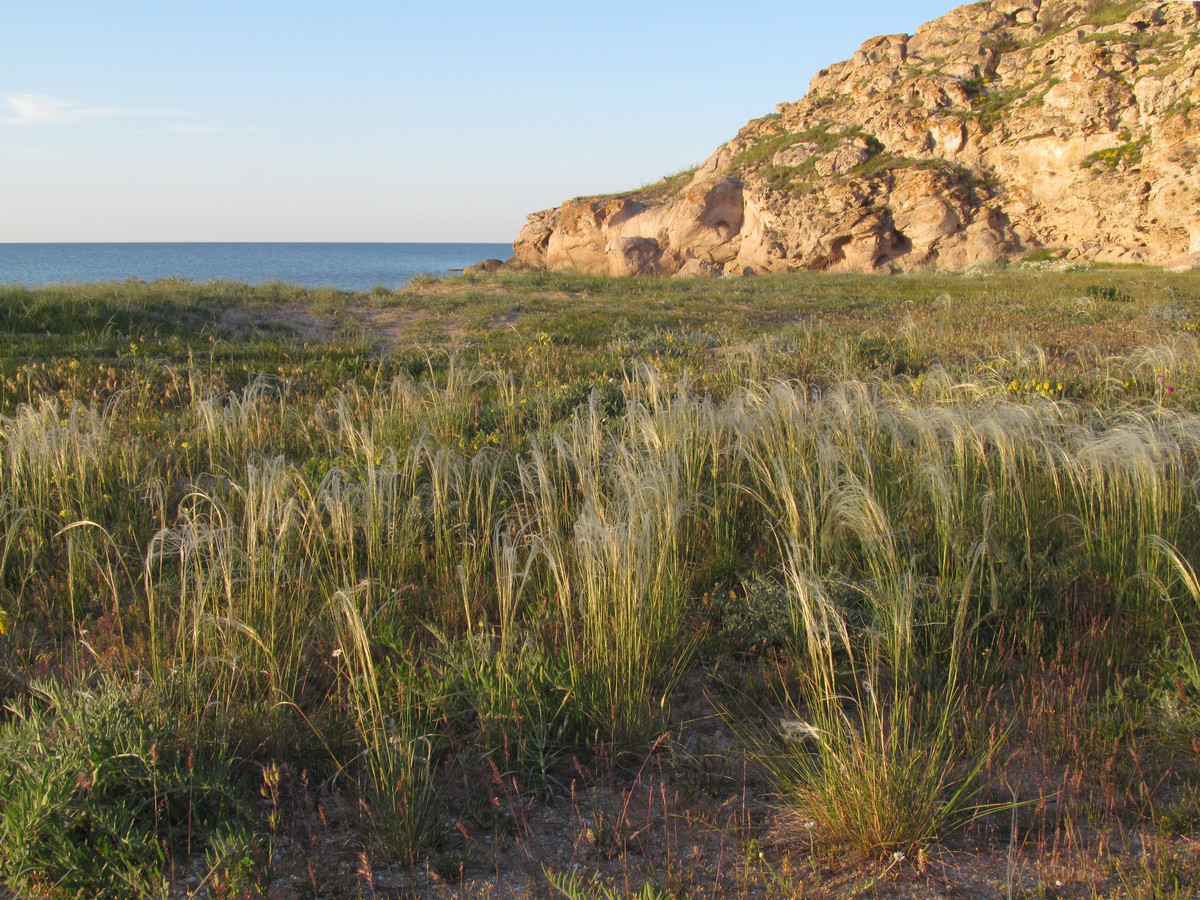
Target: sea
x,y
345,266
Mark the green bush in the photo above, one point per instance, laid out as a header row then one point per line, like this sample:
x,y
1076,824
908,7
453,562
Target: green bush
x,y
99,789
1110,292
758,620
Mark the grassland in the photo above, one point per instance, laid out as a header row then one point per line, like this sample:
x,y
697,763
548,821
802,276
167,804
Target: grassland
x,y
548,585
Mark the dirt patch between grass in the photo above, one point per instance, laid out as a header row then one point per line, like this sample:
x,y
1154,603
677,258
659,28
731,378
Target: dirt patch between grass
x,y
243,321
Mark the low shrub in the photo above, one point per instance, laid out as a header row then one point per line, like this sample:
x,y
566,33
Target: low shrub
x,y
101,788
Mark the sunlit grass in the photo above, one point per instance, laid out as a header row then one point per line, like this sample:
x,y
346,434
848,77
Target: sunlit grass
x,y
360,555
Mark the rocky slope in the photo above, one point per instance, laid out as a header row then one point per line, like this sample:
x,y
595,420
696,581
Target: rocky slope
x,y
1000,128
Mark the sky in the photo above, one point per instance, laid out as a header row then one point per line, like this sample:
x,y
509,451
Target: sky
x,y
365,120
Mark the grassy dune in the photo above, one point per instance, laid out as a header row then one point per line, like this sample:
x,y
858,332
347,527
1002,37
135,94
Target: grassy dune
x,y
878,583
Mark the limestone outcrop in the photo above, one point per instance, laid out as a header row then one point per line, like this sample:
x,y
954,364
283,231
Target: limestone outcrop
x,y
1000,128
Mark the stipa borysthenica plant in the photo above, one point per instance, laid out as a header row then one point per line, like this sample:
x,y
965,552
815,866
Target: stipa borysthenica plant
x,y
871,755
59,466
222,590
231,428
616,572
1127,480
697,436
395,762
879,770
1184,609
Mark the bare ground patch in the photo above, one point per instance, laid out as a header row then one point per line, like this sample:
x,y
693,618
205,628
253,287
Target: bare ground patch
x,y
245,321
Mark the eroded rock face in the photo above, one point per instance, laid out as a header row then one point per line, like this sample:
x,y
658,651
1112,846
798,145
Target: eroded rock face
x,y
999,128
632,256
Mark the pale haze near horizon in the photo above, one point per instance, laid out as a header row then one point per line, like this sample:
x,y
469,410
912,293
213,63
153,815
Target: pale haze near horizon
x,y
375,121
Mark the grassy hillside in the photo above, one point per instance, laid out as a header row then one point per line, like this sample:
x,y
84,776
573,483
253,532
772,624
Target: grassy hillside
x,y
535,583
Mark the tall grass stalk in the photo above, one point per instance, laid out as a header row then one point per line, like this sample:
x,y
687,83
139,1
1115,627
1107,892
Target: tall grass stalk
x,y
874,761
617,575
395,763
1184,571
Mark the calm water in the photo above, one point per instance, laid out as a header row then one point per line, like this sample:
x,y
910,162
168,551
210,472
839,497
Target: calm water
x,y
352,267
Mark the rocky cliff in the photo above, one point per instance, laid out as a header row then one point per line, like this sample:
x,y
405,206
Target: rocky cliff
x,y
1000,128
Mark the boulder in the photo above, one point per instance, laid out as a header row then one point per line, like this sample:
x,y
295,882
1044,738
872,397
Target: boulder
x,y
485,267
698,268
843,158
632,256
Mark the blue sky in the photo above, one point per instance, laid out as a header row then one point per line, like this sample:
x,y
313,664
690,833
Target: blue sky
x,y
181,120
